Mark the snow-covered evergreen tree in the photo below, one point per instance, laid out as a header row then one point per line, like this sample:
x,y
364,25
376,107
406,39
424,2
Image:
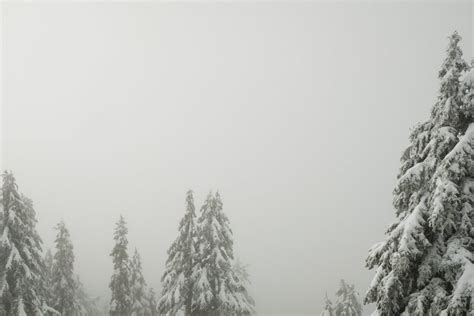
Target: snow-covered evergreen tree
x,y
217,289
243,277
138,287
328,308
121,301
177,282
152,303
63,279
48,277
425,266
347,301
88,306
21,258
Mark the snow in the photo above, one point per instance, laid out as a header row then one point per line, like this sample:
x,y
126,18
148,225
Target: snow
x,y
4,240
412,227
457,254
465,283
14,257
465,146
21,308
468,78
379,274
468,187
412,175
443,191
51,310
177,292
203,283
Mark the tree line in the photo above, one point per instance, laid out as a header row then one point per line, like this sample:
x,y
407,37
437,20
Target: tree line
x,y
201,275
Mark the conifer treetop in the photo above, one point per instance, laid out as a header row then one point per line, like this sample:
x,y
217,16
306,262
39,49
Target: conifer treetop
x,y
21,264
121,300
177,285
422,264
63,283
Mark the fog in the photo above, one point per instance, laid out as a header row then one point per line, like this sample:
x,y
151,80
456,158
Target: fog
x,y
296,112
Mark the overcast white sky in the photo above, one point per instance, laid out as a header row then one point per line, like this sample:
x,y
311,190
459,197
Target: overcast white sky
x,y
296,112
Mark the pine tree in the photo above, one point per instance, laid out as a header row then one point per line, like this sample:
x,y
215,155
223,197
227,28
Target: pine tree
x,y
347,301
177,282
87,305
217,291
138,287
424,267
21,261
48,277
243,278
152,303
120,303
328,308
63,281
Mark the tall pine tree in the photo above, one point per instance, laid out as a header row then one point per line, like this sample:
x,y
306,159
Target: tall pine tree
x,y
64,287
21,261
177,282
425,266
121,301
217,290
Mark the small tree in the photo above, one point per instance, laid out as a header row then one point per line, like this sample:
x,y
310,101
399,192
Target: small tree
x,y
88,306
328,308
48,277
152,303
347,301
243,277
138,287
121,301
64,285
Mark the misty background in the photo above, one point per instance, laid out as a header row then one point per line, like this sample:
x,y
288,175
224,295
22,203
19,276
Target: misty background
x,y
296,112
